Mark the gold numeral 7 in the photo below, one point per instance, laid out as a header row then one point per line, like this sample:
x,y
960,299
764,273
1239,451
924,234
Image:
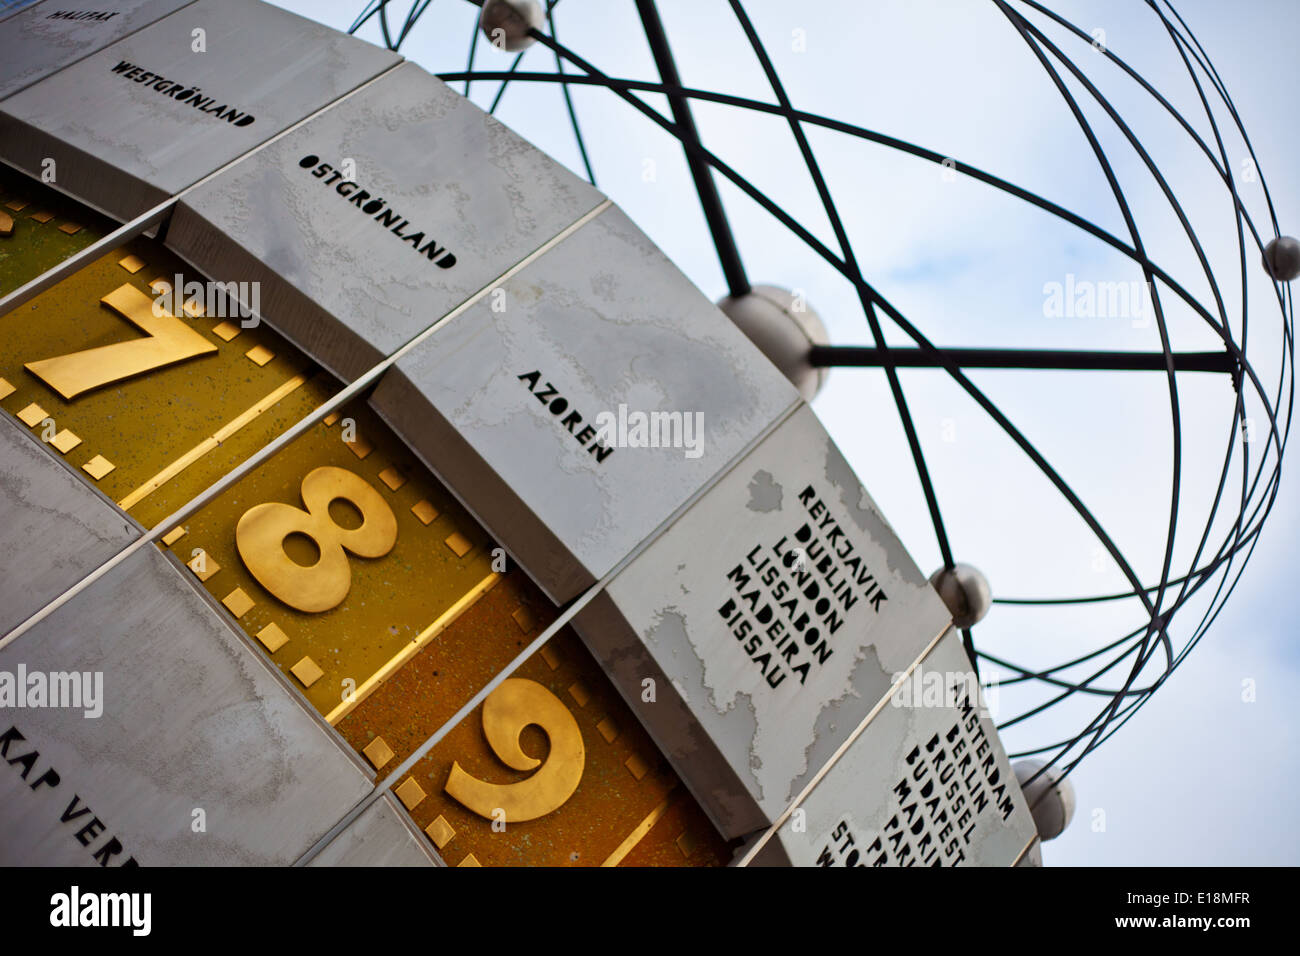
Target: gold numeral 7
x,y
169,340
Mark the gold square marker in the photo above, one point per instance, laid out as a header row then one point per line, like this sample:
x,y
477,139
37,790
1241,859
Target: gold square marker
x,y
160,286
238,603
32,415
686,843
636,766
65,441
98,467
331,418
378,752
607,730
131,264
470,860
578,691
524,618
225,331
410,793
552,659
307,671
459,544
174,535
393,478
42,216
17,205
424,511
6,389
440,832
202,565
272,637
193,309
359,447
259,355
71,228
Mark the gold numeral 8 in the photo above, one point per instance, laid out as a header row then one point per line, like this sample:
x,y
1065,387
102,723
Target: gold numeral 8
x,y
263,528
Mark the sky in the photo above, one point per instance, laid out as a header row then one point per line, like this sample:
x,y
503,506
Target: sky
x,y
1205,773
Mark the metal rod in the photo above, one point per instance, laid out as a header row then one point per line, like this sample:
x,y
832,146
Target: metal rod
x,y
710,201
825,356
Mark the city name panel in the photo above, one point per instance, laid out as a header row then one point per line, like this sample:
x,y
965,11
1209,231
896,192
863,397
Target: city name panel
x,y
305,470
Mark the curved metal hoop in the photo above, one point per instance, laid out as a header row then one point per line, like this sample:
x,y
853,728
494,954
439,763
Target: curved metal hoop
x,y
1220,564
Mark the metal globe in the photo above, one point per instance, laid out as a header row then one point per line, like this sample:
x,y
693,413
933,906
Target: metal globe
x,y
785,329
1050,797
965,591
506,23
1282,257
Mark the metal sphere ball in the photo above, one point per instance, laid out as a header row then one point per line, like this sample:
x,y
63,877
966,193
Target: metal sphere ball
x,y
1050,797
506,23
965,591
785,329
1282,257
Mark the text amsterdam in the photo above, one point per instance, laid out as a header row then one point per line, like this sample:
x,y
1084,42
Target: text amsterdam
x,y
950,784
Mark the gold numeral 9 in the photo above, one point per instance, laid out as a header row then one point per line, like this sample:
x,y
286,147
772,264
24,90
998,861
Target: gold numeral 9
x,y
506,712
262,529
